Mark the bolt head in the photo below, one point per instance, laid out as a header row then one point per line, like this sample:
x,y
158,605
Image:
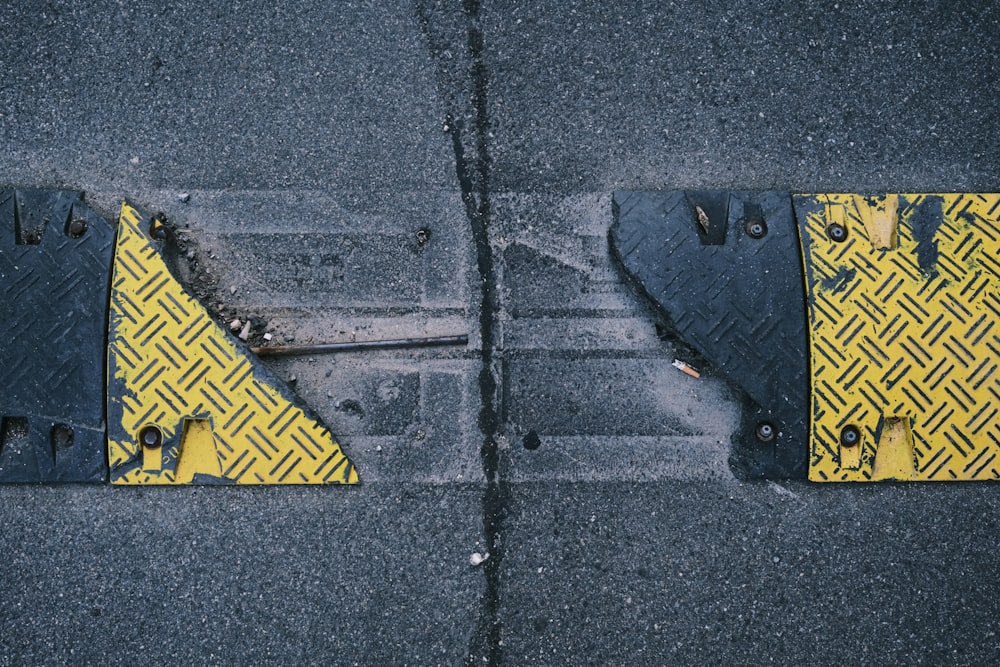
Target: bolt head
x,y
756,228
850,436
150,436
837,233
77,228
765,432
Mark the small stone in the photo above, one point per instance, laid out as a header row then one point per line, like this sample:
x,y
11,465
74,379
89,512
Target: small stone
x,y
190,255
184,197
232,290
268,336
478,559
235,325
245,332
378,448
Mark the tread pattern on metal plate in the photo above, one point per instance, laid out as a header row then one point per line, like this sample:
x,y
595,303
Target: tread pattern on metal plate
x,y
906,337
733,296
55,262
216,414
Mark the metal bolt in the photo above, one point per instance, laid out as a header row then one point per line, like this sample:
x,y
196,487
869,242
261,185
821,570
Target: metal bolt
x,y
150,436
756,228
62,436
850,436
765,432
837,232
77,228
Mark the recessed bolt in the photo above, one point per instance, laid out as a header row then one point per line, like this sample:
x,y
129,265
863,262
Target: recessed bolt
x,y
150,436
837,232
850,436
756,228
62,436
77,228
765,432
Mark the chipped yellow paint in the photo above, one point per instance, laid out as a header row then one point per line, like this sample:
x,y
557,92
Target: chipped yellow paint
x,y
198,454
894,457
222,416
904,335
879,215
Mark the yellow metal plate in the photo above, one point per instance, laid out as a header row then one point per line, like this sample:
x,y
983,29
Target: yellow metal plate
x,y
904,335
218,415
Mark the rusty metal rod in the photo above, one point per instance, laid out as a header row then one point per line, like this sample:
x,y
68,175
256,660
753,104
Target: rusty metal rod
x,y
361,345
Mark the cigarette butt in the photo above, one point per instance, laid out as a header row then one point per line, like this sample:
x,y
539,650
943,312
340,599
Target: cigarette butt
x,y
685,368
703,221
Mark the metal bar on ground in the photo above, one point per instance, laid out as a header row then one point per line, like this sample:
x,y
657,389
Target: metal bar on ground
x,y
357,346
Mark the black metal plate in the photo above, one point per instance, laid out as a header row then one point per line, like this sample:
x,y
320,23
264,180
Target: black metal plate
x,y
55,265
736,299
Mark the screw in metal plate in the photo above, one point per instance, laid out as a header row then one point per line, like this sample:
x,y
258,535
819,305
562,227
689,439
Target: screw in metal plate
x,y
837,232
77,227
850,435
150,436
756,228
765,432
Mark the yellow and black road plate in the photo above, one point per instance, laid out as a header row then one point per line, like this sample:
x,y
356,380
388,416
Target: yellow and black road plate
x,y
904,335
188,404
877,360
111,371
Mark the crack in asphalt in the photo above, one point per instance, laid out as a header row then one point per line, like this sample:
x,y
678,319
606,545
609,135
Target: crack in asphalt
x,y
469,133
476,196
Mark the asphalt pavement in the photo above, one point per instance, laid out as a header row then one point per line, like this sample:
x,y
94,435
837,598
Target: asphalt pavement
x,y
381,170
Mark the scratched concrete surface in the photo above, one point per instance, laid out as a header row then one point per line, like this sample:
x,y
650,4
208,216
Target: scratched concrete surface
x,y
313,143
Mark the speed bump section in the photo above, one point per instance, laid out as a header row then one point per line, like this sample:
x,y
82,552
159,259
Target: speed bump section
x,y
186,404
904,335
55,266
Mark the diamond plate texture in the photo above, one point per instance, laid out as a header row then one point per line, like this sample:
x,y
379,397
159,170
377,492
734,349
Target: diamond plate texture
x,y
55,262
904,336
220,416
734,298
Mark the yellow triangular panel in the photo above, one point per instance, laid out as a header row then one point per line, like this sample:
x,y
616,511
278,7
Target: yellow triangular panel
x,y
187,403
